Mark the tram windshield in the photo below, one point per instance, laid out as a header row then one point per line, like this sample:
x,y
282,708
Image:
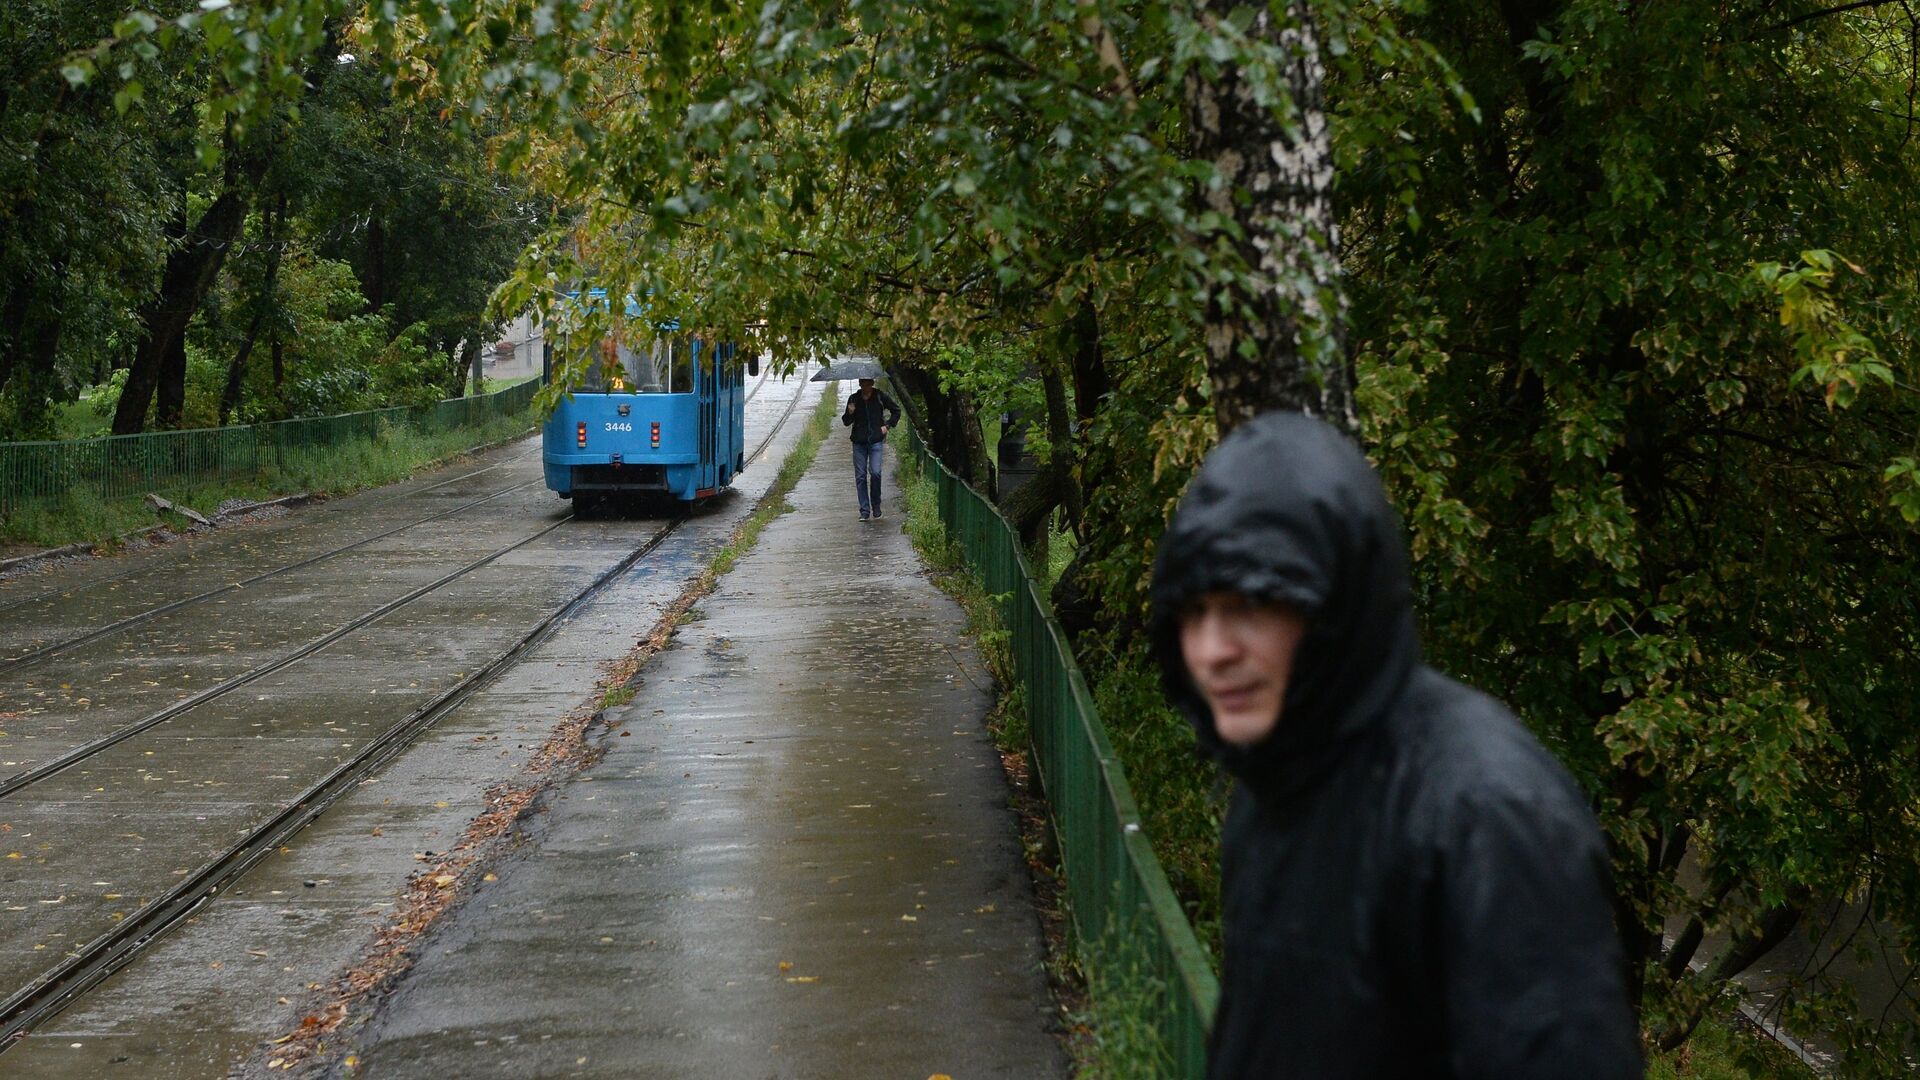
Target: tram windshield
x,y
663,365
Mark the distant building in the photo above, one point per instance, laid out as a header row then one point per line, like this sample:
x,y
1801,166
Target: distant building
x,y
517,354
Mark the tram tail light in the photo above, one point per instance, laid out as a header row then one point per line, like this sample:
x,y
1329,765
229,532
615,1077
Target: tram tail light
x,y
580,433
656,434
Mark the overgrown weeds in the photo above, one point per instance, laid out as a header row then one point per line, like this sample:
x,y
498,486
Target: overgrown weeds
x,y
1121,1037
1729,1049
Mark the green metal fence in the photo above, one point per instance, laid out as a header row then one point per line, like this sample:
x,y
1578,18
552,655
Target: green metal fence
x,y
121,465
1124,910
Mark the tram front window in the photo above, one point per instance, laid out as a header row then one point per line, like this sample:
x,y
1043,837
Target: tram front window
x,y
662,366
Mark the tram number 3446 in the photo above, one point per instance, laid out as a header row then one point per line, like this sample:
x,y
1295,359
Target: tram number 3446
x,y
619,427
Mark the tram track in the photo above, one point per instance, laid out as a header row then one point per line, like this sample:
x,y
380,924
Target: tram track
x,y
68,593
84,967
13,663
81,753
32,656
27,777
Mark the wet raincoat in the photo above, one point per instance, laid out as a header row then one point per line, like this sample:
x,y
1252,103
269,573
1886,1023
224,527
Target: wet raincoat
x,y
1412,886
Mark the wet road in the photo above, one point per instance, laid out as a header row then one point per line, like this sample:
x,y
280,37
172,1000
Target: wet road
x,y
795,859
84,847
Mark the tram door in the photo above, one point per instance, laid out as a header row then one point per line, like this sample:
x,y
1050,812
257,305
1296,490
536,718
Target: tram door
x,y
709,420
723,406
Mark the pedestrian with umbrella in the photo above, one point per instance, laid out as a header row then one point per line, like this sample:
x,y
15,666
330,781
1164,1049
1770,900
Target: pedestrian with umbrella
x,y
871,414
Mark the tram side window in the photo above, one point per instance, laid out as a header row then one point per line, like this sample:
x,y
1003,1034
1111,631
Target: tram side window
x,y
679,365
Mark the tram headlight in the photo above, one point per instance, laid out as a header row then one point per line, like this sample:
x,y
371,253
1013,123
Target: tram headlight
x,y
580,434
656,435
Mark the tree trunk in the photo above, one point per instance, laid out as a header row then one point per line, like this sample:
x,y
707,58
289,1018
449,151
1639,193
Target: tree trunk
x,y
1090,383
375,285
170,398
13,319
32,383
1063,433
971,461
190,272
477,362
278,353
237,370
1030,507
1274,332
262,305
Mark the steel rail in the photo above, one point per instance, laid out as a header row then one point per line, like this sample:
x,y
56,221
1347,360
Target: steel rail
x,y
78,754
87,966
33,656
30,776
52,593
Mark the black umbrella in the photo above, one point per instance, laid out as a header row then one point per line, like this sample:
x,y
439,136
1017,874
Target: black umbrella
x,y
849,369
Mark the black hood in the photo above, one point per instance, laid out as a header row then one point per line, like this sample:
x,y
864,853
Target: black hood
x,y
1287,509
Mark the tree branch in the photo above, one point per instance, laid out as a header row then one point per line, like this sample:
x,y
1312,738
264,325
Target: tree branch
x,y
1823,13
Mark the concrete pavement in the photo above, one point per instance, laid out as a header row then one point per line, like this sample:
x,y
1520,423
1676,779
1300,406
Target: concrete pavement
x,y
795,858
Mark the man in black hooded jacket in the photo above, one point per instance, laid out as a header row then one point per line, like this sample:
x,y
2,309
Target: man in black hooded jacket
x,y
1412,886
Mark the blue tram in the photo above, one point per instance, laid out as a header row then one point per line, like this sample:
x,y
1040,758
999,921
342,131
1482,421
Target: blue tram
x,y
659,417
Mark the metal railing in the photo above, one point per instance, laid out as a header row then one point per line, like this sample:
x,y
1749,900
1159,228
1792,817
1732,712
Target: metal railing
x,y
1124,911
116,466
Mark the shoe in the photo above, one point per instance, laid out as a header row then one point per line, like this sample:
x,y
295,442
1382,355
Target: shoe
x,y
863,517
876,512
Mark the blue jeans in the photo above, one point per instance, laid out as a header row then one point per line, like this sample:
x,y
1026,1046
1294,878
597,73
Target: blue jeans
x,y
866,475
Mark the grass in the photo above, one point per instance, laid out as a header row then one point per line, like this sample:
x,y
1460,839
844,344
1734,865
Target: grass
x,y
1120,1035
81,514
1728,1049
80,420
920,496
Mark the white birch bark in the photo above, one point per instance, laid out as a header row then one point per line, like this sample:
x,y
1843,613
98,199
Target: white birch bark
x,y
1275,335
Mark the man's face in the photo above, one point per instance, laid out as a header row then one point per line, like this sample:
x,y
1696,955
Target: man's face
x,y
866,386
1239,654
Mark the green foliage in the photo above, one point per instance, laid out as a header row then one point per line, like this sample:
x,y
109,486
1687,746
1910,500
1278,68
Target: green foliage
x,y
1588,255
120,131
1586,373
1832,352
999,378
1728,1050
1182,799
1122,1038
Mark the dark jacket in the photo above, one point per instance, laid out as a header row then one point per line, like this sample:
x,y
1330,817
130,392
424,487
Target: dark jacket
x,y
1412,886
866,418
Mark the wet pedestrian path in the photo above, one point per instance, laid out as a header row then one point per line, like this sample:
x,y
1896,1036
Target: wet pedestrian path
x,y
795,859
